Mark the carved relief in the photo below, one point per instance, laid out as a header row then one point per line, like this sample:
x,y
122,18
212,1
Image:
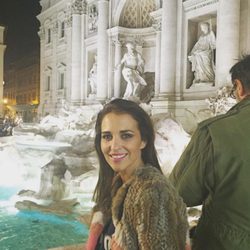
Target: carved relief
x,y
77,7
92,18
55,27
136,14
157,25
197,4
92,77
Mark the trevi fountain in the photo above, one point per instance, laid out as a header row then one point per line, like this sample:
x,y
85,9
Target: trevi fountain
x,y
49,170
170,56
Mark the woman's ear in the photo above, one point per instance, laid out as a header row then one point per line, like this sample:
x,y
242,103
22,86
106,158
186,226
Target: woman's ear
x,y
143,144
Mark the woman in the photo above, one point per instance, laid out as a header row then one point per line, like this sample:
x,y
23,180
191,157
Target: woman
x,y
136,207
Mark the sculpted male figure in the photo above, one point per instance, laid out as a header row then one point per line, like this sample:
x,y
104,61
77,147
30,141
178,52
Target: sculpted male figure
x,y
133,68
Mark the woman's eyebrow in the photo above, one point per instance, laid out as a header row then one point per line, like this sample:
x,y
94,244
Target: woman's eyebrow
x,y
127,130
121,131
105,132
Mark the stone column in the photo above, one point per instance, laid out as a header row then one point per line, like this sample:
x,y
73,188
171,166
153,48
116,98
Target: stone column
x,y
54,73
157,59
41,34
227,43
76,52
84,20
118,70
102,50
168,48
2,49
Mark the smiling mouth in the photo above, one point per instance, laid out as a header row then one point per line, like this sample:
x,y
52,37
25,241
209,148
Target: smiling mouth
x,y
117,157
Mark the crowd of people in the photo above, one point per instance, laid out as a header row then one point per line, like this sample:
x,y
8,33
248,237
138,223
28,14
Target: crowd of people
x,y
137,207
7,123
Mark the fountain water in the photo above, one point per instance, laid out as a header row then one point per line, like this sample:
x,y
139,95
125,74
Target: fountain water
x,y
28,229
53,168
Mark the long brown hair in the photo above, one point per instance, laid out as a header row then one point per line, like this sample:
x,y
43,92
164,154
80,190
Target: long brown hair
x,y
102,193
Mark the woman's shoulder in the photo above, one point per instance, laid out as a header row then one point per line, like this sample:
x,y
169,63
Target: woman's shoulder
x,y
150,184
148,171
150,176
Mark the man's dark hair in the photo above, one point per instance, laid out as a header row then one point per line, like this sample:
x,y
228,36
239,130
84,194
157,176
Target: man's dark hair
x,y
241,71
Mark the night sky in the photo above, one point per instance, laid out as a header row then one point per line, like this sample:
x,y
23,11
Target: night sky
x,y
19,18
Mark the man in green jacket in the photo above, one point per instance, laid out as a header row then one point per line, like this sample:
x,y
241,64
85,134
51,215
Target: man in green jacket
x,y
214,171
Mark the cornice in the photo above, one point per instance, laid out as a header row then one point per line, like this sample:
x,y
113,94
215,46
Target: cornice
x,y
197,4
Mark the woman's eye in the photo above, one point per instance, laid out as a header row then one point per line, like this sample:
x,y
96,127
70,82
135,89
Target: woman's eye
x,y
106,137
126,136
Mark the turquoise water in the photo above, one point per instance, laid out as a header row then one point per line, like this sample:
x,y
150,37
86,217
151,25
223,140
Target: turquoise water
x,y
35,230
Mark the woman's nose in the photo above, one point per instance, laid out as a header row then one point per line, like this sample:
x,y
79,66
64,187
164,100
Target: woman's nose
x,y
115,143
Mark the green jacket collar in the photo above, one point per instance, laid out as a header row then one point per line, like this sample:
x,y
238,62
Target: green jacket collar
x,y
241,104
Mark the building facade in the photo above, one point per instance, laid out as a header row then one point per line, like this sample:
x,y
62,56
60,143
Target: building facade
x,y
75,33
22,87
2,49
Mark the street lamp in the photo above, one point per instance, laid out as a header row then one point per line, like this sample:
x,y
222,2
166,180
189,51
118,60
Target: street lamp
x,y
5,101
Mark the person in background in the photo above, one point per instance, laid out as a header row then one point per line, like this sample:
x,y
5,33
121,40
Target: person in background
x,y
214,171
136,206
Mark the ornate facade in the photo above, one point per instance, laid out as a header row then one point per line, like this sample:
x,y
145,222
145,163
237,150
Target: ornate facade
x,y
74,32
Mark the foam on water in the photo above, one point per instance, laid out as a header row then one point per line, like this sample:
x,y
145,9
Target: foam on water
x,y
35,230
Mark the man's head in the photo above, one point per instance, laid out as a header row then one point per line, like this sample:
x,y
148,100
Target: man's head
x,y
240,76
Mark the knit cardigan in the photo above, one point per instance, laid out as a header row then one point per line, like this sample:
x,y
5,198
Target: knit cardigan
x,y
147,214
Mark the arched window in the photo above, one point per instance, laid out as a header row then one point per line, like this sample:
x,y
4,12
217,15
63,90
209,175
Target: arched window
x,y
48,29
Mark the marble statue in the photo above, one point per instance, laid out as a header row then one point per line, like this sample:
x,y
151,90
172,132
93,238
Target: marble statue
x,y
93,18
133,68
92,78
201,56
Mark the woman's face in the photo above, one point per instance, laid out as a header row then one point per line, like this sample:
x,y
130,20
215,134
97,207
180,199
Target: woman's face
x,y
121,143
204,28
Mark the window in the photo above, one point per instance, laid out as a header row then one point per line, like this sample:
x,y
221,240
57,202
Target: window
x,y
62,30
48,35
47,83
61,80
47,78
61,69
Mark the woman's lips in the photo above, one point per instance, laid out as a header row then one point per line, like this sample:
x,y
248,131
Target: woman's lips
x,y
117,157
